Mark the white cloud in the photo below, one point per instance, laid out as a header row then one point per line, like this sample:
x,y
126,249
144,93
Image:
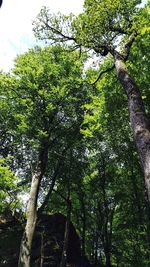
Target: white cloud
x,y
16,18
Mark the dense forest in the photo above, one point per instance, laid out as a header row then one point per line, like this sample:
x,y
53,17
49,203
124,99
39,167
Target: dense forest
x,y
75,137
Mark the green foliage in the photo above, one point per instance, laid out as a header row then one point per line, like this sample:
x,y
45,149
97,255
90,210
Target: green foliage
x,y
49,93
44,78
8,186
49,98
102,22
61,22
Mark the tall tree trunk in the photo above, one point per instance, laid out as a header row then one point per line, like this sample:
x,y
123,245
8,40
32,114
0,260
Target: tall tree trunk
x,y
83,217
42,249
138,119
107,244
83,235
66,234
140,126
96,248
108,260
26,243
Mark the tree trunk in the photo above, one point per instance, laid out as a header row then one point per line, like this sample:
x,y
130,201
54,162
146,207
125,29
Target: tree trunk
x,y
26,243
107,244
83,235
108,215
96,248
66,234
83,218
42,249
25,250
138,119
108,260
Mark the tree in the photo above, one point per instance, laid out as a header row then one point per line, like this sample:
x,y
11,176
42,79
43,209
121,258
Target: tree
x,y
108,29
48,94
74,136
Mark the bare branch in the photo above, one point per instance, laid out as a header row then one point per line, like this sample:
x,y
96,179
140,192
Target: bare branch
x,y
59,33
103,72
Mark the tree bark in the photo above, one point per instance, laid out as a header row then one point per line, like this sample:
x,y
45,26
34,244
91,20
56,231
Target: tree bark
x,y
83,217
26,243
66,234
138,119
108,215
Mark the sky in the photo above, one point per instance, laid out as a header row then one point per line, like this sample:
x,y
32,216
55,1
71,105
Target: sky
x,y
16,18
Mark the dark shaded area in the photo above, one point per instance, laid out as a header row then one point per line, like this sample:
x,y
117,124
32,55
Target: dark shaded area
x,y
47,243
1,1
11,232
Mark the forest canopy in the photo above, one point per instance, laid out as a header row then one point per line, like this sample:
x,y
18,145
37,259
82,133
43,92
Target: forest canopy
x,y
75,136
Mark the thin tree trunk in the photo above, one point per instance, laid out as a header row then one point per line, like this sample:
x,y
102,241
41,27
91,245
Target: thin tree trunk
x,y
83,217
107,245
96,248
83,235
26,243
107,218
42,249
138,119
109,239
66,234
108,263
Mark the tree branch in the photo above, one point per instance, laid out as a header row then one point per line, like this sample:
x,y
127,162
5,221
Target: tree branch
x,y
103,72
64,198
45,202
59,33
118,30
129,44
